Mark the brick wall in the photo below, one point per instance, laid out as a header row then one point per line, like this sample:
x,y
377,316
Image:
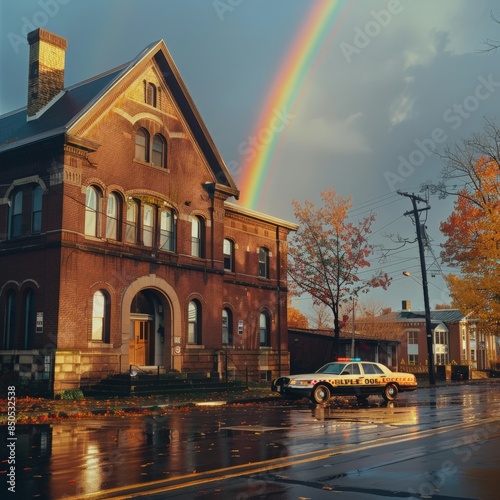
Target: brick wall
x,y
65,267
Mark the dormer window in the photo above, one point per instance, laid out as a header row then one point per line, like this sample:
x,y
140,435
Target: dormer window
x,y
151,94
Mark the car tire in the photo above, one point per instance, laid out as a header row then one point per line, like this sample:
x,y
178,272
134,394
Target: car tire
x,y
321,394
390,392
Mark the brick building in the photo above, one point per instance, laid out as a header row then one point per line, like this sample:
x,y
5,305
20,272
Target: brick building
x,y
457,339
118,245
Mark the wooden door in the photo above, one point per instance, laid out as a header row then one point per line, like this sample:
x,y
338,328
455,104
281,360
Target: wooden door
x,y
140,348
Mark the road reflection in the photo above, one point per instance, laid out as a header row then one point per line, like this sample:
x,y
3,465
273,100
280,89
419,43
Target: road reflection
x,y
78,457
389,414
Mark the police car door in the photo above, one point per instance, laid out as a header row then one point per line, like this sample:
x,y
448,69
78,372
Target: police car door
x,y
350,377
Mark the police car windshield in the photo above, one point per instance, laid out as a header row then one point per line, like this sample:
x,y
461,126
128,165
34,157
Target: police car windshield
x,y
333,368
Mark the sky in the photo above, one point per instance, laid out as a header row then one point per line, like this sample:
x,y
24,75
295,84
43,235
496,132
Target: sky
x,y
383,86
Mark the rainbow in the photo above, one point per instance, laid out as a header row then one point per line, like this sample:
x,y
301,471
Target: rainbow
x,y
282,95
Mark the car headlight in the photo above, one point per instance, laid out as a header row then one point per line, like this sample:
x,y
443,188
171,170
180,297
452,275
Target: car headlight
x,y
300,382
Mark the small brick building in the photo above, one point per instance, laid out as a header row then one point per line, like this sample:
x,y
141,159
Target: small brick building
x,y
118,245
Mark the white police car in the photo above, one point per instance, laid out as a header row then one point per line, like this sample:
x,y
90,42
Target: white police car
x,y
346,377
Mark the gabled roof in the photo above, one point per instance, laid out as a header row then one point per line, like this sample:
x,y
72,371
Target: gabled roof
x,y
344,335
71,106
16,131
437,315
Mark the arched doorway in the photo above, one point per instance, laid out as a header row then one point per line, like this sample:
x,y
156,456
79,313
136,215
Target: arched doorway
x,y
143,318
147,340
150,315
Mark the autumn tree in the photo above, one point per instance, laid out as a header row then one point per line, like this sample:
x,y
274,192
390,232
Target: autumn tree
x,y
296,319
327,254
472,174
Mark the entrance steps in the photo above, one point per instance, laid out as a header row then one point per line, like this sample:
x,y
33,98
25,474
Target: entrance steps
x,y
147,382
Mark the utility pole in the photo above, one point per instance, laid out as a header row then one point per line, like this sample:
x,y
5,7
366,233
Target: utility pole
x,y
353,341
428,326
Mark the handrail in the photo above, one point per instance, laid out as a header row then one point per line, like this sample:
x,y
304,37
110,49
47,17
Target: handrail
x,y
139,369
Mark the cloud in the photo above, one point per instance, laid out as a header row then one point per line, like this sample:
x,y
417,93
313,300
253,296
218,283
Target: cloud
x,y
401,109
330,134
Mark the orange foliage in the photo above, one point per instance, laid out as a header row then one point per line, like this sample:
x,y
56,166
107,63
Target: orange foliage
x,y
296,319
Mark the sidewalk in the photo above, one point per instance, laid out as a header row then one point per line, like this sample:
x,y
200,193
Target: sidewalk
x,y
31,410
40,410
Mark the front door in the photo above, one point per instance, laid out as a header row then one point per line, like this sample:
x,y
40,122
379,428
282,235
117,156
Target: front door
x,y
141,346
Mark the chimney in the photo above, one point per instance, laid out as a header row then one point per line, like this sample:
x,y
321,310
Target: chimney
x,y
46,69
406,305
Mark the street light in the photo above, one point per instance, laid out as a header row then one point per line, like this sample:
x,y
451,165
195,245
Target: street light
x,y
428,326
409,275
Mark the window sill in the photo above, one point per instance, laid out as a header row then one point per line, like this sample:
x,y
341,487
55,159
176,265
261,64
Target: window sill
x,y
151,164
100,344
195,346
198,260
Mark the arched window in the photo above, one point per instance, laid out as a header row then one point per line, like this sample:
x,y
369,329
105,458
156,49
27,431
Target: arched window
x,y
263,262
167,230
10,319
142,145
194,322
16,215
113,211
159,151
151,94
264,329
131,227
92,202
147,225
227,326
197,230
29,319
36,209
228,255
100,317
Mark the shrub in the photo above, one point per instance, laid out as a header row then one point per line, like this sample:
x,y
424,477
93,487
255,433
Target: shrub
x,y
72,394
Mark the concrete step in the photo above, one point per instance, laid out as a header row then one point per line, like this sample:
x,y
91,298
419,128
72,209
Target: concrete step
x,y
125,385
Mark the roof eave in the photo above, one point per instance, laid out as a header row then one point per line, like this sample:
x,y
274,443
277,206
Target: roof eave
x,y
10,146
260,216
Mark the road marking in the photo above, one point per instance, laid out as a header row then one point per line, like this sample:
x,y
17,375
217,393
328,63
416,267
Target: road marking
x,y
186,481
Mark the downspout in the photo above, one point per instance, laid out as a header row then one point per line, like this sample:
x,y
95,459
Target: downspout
x,y
279,298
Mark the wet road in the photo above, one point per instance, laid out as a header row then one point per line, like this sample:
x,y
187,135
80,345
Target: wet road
x,y
443,439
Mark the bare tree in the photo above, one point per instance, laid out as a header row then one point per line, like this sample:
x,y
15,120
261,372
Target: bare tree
x,y
321,317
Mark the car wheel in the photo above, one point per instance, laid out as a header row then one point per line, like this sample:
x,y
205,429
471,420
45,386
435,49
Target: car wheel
x,y
390,392
321,394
